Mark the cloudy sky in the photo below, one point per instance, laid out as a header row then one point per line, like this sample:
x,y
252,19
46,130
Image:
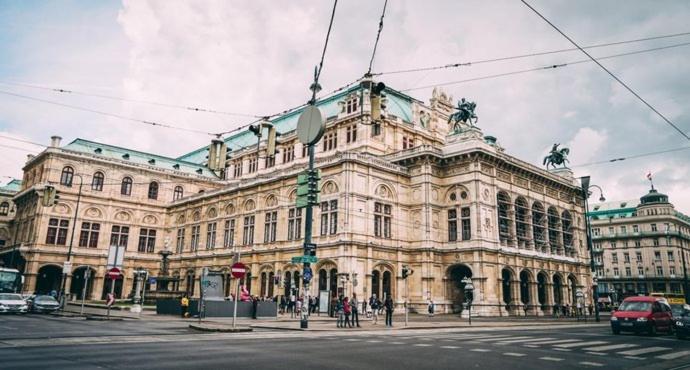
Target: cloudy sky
x,y
257,58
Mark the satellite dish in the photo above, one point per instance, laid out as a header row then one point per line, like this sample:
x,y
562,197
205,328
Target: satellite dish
x,y
310,125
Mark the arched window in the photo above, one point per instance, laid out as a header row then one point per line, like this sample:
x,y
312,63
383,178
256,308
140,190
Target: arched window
x,y
503,202
178,193
67,175
4,209
97,181
153,190
126,188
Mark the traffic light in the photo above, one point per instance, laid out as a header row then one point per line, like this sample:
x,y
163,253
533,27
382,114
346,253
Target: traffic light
x,y
217,155
50,196
271,141
256,129
377,101
308,183
406,271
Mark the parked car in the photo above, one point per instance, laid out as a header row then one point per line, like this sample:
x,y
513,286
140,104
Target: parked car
x,y
44,303
642,315
682,319
12,303
677,309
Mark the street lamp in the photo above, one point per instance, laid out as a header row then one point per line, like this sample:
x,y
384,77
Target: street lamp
x,y
584,181
68,264
469,296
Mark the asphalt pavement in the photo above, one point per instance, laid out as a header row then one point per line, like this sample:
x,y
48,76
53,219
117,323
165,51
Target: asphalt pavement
x,y
40,342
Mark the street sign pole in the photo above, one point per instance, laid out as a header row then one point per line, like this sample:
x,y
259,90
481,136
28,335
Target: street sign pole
x,y
237,288
87,275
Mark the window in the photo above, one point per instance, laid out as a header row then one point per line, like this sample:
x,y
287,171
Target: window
x,y
229,233
351,105
628,272
253,165
294,224
57,231
659,271
407,143
616,272
196,231
119,236
248,232
89,234
670,256
269,161
640,271
376,129
596,231
654,227
270,224
452,225
67,176
180,240
639,256
672,270
624,230
657,256
613,245
611,230
636,229
237,168
638,243
126,187
626,257
329,217
304,150
382,220
614,257
289,154
153,190
210,235
97,181
147,240
4,209
466,225
655,242
178,193
330,141
351,133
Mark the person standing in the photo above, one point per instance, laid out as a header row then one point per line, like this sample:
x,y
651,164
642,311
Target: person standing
x,y
184,305
340,315
355,310
374,306
388,305
347,310
430,307
291,306
255,306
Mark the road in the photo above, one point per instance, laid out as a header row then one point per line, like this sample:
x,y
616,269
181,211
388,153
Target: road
x,y
39,342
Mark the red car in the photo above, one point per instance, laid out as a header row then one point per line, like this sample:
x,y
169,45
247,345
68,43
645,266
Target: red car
x,y
643,315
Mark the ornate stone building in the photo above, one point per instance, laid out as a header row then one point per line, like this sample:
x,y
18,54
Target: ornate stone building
x,y
640,246
404,190
7,212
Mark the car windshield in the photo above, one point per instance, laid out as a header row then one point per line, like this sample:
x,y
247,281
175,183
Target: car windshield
x,y
679,309
10,297
635,306
45,299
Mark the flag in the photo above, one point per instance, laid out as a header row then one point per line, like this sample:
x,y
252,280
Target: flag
x,y
649,176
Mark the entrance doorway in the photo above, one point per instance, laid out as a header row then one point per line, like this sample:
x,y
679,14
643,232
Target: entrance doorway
x,y
48,279
456,287
78,279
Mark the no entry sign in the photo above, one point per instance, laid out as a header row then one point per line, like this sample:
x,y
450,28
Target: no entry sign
x,y
238,270
114,273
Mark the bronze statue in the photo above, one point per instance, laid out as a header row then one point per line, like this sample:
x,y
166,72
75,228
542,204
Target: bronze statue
x,y
465,113
557,157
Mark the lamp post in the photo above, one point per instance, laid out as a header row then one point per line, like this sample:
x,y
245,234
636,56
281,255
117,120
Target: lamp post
x,y
686,288
469,296
63,284
584,181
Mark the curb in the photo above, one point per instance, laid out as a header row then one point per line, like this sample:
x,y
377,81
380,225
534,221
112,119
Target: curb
x,y
103,318
218,329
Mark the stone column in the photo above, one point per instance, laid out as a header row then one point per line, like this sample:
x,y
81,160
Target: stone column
x,y
533,288
515,303
548,292
68,284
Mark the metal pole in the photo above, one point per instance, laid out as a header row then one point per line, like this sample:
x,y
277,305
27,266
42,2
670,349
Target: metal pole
x,y
237,294
407,295
87,275
112,279
309,214
63,284
588,232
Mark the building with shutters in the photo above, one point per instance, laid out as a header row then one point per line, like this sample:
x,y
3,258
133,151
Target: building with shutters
x,y
410,189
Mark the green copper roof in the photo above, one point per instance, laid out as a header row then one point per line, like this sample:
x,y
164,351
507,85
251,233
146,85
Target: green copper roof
x,y
615,209
12,187
399,105
135,156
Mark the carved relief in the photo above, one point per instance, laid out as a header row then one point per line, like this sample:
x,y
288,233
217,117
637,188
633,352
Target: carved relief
x,y
230,209
434,194
249,205
93,213
196,216
123,216
61,209
271,201
212,213
180,219
416,194
150,220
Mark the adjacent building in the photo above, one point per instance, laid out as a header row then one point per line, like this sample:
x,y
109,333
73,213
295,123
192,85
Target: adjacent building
x,y
410,189
640,246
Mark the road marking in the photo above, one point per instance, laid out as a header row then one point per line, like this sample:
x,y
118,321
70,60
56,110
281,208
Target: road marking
x,y
550,341
643,351
634,357
530,346
674,355
500,339
546,358
580,344
587,363
562,349
526,340
596,353
353,340
450,347
374,341
396,342
422,345
514,354
610,347
480,350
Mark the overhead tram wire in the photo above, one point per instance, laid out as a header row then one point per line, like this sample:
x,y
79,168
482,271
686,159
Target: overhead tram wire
x,y
22,140
378,35
547,67
610,73
634,156
500,59
110,97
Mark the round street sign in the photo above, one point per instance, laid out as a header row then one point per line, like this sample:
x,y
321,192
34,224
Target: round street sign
x,y
310,126
114,273
238,270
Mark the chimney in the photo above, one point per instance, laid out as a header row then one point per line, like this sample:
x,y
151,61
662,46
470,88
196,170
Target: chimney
x,y
55,141
29,157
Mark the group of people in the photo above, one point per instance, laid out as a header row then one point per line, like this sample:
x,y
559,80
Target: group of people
x,y
293,305
346,310
567,311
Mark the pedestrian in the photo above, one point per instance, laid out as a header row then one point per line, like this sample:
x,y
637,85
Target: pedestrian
x,y
282,304
298,307
590,308
317,309
355,310
430,307
340,315
364,306
388,304
347,310
374,307
556,310
332,308
184,305
291,306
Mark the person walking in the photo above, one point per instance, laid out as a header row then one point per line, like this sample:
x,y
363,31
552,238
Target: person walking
x,y
255,306
339,314
388,305
347,310
291,306
355,310
374,307
184,305
430,307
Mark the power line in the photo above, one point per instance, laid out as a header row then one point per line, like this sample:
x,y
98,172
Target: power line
x,y
21,140
467,64
548,67
634,156
151,123
110,97
378,35
609,72
317,73
18,148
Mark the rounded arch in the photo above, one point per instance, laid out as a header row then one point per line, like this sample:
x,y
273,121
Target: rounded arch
x,y
181,219
265,267
126,185
557,280
48,279
93,212
456,286
525,281
80,285
61,208
230,209
271,201
292,194
385,191
383,265
153,190
542,283
329,187
212,212
249,205
178,192
123,216
150,219
507,277
196,215
455,194
97,180
325,263
66,176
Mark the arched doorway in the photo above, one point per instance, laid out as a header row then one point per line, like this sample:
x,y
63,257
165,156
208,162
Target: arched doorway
x,y
557,289
109,283
524,287
387,290
375,284
572,282
78,279
287,284
323,280
271,283
456,287
189,283
48,279
296,278
334,282
506,277
541,288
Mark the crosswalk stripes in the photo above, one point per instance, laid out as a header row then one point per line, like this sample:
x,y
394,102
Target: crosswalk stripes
x,y
547,358
550,341
513,354
535,340
500,338
589,363
643,351
611,347
673,355
580,344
